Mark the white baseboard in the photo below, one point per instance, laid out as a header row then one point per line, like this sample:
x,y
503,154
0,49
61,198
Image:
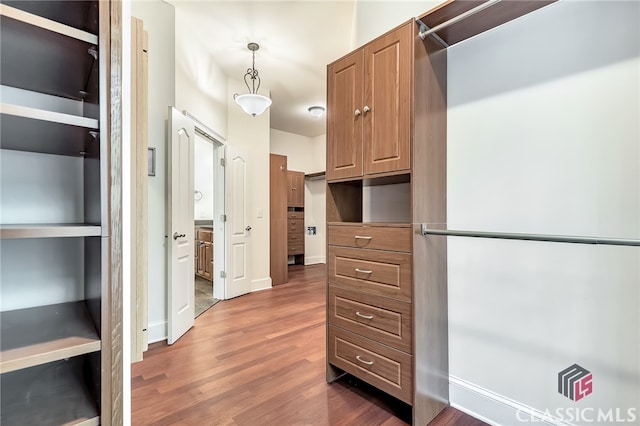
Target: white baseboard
x,y
313,260
157,331
261,284
493,408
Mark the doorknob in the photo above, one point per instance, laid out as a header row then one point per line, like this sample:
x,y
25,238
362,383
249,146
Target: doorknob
x,y
248,228
176,235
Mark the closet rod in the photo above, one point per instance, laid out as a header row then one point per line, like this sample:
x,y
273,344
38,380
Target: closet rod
x,y
458,18
532,237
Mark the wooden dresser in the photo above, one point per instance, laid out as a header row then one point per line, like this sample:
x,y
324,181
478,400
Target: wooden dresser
x,y
295,216
369,305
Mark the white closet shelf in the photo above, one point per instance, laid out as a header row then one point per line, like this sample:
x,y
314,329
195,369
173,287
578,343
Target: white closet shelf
x,y
47,24
43,334
49,230
54,393
51,116
44,56
34,130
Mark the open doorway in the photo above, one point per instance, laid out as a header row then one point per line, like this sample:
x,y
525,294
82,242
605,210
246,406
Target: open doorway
x,y
208,227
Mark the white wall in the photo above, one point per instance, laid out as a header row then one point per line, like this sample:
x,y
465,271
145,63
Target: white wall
x,y
303,153
375,18
543,137
250,135
307,155
203,178
201,86
158,18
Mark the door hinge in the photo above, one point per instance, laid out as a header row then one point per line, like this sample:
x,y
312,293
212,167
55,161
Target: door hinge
x,y
223,218
223,162
223,274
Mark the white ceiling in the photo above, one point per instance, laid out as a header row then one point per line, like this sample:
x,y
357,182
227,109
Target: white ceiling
x,y
297,40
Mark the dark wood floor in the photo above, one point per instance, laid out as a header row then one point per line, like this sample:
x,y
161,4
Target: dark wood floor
x,y
259,359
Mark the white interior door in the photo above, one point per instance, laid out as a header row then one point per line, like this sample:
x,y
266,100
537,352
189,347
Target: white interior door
x,y
180,225
238,280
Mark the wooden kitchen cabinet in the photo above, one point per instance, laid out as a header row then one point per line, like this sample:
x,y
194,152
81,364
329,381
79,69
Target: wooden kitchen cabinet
x,y
204,253
369,114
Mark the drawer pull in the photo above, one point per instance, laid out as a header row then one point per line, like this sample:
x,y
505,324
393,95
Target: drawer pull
x,y
361,237
364,271
363,360
369,317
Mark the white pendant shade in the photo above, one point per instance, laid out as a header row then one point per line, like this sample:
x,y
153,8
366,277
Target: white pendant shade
x,y
253,104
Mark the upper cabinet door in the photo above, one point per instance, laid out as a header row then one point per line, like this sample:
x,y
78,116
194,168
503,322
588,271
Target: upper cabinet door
x,y
344,117
387,102
295,189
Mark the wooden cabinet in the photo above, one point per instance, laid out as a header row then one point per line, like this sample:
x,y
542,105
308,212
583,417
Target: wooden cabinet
x,y
386,158
295,233
369,108
295,189
204,253
278,194
295,216
386,175
61,319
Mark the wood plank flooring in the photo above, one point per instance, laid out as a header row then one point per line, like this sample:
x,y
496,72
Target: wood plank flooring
x,y
259,359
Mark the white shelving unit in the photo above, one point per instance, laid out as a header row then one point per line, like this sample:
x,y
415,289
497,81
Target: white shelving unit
x,y
52,357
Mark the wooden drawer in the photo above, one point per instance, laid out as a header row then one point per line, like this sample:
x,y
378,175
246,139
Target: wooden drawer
x,y
379,272
295,215
295,226
371,237
205,235
295,238
381,319
381,366
295,248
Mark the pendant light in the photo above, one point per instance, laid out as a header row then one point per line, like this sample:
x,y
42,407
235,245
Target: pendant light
x,y
252,103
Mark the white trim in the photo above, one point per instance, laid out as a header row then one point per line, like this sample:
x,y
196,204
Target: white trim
x,y
261,284
313,260
493,408
157,331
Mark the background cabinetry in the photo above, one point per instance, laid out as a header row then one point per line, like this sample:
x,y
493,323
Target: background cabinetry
x,y
204,253
369,94
60,316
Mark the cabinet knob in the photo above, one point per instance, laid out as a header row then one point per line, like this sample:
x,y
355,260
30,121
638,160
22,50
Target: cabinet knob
x,y
366,108
357,113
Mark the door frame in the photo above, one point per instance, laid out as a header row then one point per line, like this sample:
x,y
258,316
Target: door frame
x,y
220,226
